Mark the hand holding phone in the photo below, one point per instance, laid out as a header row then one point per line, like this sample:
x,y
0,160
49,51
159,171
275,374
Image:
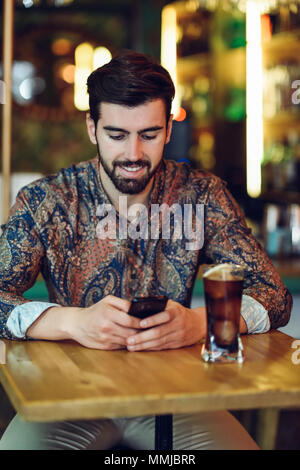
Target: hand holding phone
x,y
143,307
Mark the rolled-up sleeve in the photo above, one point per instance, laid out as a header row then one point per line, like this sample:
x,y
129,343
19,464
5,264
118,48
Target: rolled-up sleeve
x,y
23,316
255,315
21,253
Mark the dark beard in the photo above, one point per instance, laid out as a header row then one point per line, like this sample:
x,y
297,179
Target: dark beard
x,y
127,185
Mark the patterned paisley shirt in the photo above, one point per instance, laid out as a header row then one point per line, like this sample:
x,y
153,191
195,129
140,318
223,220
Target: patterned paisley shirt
x,y
52,230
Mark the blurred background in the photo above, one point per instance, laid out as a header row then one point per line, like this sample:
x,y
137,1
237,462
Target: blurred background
x,y
236,67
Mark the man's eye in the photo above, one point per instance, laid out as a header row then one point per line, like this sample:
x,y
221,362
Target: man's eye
x,y
148,137
117,137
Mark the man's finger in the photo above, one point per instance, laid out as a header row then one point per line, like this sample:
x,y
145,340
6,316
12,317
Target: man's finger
x,y
125,320
168,341
117,302
154,320
152,334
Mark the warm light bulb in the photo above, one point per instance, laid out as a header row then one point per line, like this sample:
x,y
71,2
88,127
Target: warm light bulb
x,y
101,57
61,46
67,72
181,115
84,54
254,98
169,49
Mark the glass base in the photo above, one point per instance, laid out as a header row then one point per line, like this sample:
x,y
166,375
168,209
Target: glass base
x,y
222,355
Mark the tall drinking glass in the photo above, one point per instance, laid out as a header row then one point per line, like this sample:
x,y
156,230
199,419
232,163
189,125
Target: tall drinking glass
x,y
223,287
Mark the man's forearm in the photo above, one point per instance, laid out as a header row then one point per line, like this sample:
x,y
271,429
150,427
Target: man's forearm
x,y
55,323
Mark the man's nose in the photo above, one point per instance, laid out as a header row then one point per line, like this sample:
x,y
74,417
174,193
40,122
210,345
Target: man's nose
x,y
134,149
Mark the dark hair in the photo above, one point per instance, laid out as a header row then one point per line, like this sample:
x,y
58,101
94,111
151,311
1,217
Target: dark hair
x,y
129,79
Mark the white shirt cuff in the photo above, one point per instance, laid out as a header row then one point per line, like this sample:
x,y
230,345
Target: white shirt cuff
x,y
22,317
255,315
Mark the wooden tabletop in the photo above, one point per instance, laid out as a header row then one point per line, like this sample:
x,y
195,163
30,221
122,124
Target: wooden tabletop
x,y
48,381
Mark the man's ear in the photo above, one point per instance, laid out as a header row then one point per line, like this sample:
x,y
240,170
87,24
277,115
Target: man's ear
x,y
91,128
169,128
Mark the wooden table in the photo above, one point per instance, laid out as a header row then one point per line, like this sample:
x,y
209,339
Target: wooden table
x,y
49,381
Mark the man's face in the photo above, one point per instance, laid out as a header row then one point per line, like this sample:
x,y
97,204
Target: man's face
x,y
130,142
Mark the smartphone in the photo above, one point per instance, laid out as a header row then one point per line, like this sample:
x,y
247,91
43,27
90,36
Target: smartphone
x,y
142,307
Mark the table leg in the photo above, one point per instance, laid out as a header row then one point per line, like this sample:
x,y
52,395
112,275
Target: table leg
x,y
164,432
267,426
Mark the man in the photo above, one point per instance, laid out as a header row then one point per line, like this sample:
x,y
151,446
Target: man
x,y
56,227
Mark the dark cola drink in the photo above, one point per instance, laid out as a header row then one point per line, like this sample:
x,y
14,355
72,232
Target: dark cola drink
x,y
223,303
223,289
